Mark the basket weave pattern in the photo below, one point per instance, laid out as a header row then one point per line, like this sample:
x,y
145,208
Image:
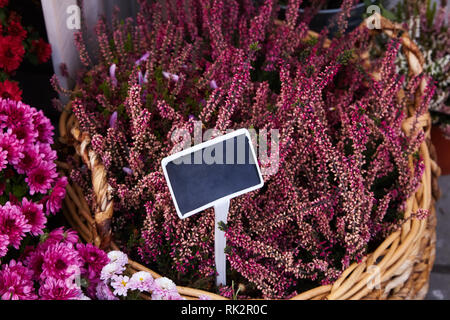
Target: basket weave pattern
x,y
398,269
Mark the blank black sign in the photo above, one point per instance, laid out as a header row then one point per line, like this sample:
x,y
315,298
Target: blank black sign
x,y
196,182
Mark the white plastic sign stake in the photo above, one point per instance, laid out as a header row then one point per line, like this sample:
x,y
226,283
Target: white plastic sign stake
x,y
209,175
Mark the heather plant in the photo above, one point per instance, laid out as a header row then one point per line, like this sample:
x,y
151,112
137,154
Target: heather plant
x,y
346,168
427,25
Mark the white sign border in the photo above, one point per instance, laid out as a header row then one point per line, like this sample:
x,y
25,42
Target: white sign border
x,y
204,145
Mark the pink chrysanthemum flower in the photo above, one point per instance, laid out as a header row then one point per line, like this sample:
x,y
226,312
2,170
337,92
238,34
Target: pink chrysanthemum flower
x,y
60,235
25,134
43,127
61,261
57,195
34,262
47,152
31,159
13,223
4,242
35,216
3,158
40,179
15,114
93,257
57,289
15,282
10,144
142,281
103,292
120,285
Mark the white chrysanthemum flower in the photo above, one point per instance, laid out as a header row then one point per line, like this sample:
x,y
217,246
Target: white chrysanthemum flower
x,y
120,285
166,284
110,270
118,257
142,281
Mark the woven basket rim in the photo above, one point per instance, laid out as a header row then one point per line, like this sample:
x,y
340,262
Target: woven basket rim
x,y
394,253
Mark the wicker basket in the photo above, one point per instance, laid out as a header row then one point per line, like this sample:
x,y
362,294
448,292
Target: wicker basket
x,y
402,263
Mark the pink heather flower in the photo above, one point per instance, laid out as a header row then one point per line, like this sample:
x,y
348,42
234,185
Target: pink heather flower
x,y
142,281
113,120
35,216
15,282
112,74
204,297
43,127
118,257
165,289
13,224
120,284
54,201
3,158
10,144
31,159
4,242
40,179
93,257
111,270
103,292
170,76
57,289
61,261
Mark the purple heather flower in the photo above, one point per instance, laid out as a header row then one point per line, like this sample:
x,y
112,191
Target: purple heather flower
x,y
57,289
112,74
35,216
13,223
204,297
15,282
